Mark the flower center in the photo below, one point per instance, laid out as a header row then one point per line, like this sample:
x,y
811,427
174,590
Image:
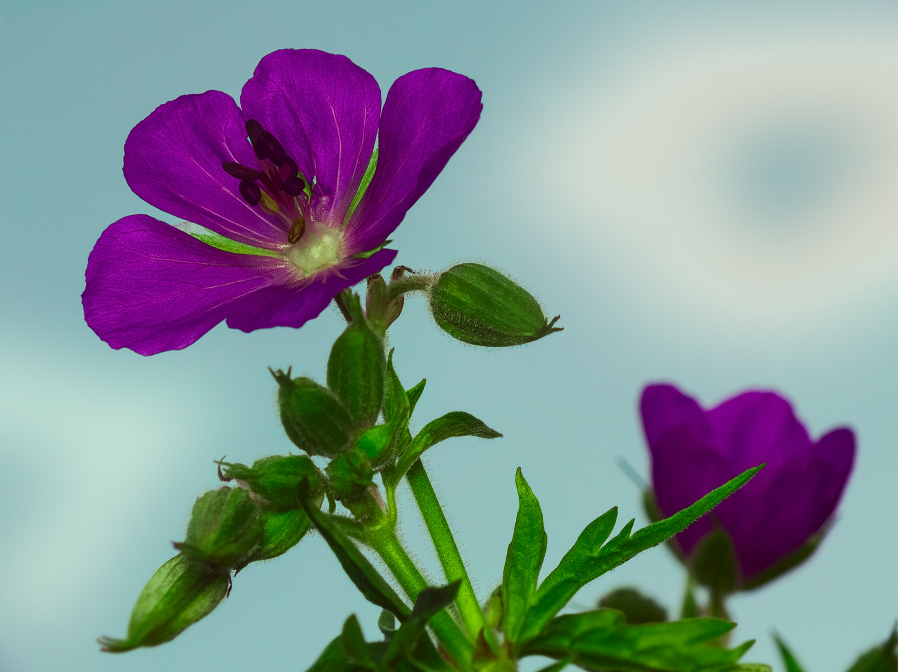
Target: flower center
x,y
321,247
275,185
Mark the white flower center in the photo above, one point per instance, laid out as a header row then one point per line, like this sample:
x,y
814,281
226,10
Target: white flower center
x,y
319,248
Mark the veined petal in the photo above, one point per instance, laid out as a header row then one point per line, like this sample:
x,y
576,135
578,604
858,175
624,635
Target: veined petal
x,y
278,306
173,161
427,115
324,110
152,288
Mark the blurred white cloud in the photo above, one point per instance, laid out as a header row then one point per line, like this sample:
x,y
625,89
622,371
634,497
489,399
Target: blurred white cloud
x,y
752,176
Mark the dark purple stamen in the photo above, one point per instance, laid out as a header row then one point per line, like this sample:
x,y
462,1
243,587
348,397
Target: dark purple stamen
x,y
257,138
240,171
276,153
293,186
251,192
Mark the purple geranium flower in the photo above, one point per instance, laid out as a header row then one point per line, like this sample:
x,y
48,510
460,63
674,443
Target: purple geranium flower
x,y
274,226
694,451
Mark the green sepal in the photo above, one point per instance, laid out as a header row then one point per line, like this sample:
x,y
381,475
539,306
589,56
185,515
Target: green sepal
x,y
451,425
636,607
350,475
313,418
881,658
382,443
714,563
790,662
363,186
225,529
588,558
414,394
523,560
178,595
477,305
283,529
370,253
602,640
356,369
380,308
277,478
219,242
370,583
396,401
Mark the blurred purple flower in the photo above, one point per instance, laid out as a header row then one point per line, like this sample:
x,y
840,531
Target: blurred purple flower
x,y
694,451
273,232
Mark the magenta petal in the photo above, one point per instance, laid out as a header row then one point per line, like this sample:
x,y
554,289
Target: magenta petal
x,y
152,287
281,307
173,161
427,115
324,110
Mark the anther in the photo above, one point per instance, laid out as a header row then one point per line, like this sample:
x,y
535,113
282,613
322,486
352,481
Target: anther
x,y
296,231
257,138
240,171
293,186
276,153
251,192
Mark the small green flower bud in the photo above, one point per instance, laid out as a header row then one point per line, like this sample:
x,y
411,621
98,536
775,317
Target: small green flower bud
x,y
178,595
313,418
478,305
350,475
380,309
714,563
283,530
356,369
277,478
225,529
636,607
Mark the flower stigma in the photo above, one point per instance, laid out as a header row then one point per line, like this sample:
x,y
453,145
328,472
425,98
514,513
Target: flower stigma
x,y
320,247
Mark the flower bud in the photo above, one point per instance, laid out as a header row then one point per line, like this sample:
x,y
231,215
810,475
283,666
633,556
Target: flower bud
x,y
714,563
636,607
356,368
178,595
277,478
225,529
380,309
313,418
478,305
350,475
283,529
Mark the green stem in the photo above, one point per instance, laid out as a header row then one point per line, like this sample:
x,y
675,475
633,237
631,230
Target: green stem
x,y
447,550
410,283
400,564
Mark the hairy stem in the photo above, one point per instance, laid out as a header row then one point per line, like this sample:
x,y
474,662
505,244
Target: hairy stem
x,y
445,545
410,283
400,564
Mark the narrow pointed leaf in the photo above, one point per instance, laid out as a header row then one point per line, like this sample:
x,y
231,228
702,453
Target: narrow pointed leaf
x,y
367,579
355,645
395,400
881,658
430,602
586,561
449,426
414,394
789,661
523,560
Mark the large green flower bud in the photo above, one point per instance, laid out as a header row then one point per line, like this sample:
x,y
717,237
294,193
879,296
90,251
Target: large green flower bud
x,y
478,305
179,594
356,369
313,418
277,478
225,529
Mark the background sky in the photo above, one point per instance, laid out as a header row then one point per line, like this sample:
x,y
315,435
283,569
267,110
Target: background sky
x,y
704,191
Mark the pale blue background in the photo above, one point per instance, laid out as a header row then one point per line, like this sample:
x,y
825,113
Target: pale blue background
x,y
102,452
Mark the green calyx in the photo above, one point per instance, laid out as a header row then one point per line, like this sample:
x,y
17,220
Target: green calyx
x,y
225,529
714,564
314,419
178,595
277,478
478,305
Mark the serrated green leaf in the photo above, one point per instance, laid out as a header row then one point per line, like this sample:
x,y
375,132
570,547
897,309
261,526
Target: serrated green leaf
x,y
354,644
449,426
789,660
587,561
369,582
601,640
523,560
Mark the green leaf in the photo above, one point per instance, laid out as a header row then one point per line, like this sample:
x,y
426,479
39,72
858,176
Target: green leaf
x,y
789,661
395,399
354,644
523,560
881,658
414,394
588,560
369,582
429,603
449,426
363,186
334,659
178,595
219,242
601,640
556,667
356,368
